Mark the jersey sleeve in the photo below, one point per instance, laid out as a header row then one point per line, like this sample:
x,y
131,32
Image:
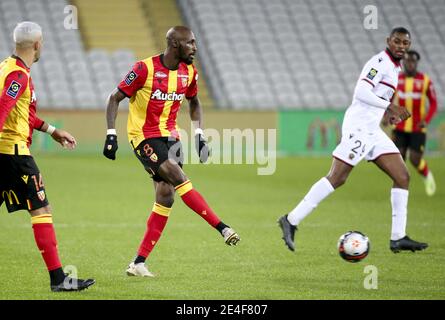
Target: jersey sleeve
x,y
192,90
38,123
15,84
431,93
134,80
373,71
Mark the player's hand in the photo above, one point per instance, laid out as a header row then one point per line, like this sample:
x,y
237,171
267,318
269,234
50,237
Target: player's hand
x,y
202,148
397,113
65,139
386,119
422,124
110,146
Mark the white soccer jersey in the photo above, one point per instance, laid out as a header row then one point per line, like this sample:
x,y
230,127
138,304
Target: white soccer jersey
x,y
382,72
362,136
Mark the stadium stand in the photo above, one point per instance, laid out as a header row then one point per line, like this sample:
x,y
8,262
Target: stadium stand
x,y
68,76
255,54
265,54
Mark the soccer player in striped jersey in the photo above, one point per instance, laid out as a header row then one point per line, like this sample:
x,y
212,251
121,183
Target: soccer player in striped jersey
x,y
413,91
156,87
21,183
362,138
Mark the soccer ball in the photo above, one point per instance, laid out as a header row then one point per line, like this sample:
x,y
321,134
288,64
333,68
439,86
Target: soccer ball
x,y
353,246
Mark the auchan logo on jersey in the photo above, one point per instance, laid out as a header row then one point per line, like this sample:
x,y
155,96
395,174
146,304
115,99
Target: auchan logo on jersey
x,y
159,95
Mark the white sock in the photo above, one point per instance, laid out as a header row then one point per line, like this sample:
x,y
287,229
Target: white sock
x,y
319,191
399,203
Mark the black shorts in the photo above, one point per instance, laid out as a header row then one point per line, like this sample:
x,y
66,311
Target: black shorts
x,y
21,184
410,140
153,152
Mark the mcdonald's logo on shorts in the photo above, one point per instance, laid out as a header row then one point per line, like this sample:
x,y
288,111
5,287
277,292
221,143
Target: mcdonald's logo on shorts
x,y
11,196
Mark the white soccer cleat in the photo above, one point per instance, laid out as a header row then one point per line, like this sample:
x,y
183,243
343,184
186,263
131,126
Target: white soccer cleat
x,y
231,238
138,270
430,184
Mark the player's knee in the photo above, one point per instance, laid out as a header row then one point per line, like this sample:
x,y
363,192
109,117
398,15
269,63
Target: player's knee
x,y
172,172
165,194
403,180
415,160
337,180
178,178
166,199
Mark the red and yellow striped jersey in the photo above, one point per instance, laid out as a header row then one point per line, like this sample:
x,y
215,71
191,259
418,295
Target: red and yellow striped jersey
x,y
412,93
17,107
156,94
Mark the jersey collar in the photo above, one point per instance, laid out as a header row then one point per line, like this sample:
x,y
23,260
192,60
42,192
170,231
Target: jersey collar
x,y
161,58
20,62
391,57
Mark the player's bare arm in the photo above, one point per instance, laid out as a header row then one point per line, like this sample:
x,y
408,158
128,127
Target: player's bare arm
x,y
64,138
196,116
112,107
196,111
113,101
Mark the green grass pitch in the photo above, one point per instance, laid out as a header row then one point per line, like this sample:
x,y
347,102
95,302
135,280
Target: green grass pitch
x,y
100,209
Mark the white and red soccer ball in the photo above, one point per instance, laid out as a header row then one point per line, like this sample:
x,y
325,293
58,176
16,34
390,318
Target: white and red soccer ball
x,y
353,246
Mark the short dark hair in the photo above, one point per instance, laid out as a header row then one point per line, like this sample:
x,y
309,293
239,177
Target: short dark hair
x,y
400,30
413,53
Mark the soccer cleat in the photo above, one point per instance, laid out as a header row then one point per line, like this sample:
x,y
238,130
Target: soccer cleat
x,y
138,270
288,232
430,184
406,243
231,238
72,284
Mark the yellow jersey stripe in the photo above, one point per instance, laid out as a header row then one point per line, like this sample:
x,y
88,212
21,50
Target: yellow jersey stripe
x,y
191,72
16,126
409,84
139,105
172,86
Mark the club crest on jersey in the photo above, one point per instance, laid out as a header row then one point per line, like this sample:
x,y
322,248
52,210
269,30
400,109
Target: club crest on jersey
x,y
184,79
41,195
372,73
13,89
131,76
159,95
154,157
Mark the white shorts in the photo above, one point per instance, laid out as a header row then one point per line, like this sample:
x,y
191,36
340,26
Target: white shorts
x,y
357,144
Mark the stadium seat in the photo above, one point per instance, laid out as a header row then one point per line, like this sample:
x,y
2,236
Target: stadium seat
x,y
315,40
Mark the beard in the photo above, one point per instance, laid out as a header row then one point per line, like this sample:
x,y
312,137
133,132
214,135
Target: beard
x,y
188,60
184,57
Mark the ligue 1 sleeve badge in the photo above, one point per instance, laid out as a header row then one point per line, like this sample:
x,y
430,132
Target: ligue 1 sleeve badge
x,y
13,89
